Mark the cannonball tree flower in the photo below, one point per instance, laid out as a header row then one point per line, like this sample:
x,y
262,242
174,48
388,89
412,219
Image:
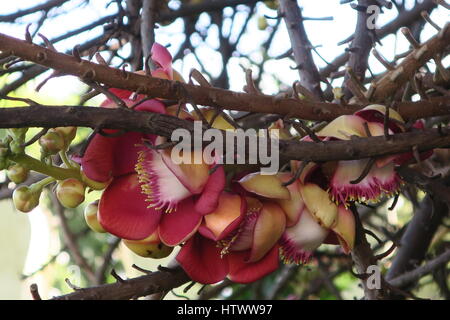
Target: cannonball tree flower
x,y
382,177
146,189
311,217
239,240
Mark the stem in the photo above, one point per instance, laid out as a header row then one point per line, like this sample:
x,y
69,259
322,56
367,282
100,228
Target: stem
x,y
64,159
41,184
33,164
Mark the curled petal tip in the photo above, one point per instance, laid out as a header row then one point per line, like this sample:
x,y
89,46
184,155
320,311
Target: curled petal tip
x,y
269,186
319,204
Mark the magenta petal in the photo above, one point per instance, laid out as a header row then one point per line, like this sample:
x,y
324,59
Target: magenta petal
x,y
246,272
121,93
126,153
98,160
162,56
179,225
151,106
200,258
123,210
209,198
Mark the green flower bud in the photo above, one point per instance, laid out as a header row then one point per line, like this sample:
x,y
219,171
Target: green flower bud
x,y
25,198
90,215
150,247
68,134
70,192
4,149
51,143
16,146
18,133
17,173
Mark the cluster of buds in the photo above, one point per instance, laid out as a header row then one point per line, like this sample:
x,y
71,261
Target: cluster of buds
x,y
13,157
57,140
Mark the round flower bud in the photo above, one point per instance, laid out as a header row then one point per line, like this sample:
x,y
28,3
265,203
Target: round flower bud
x,y
70,193
150,247
25,199
17,173
68,134
52,142
90,215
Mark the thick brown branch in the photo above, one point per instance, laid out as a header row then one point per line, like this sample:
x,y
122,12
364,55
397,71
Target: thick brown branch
x,y
405,19
416,274
362,44
363,258
417,238
160,281
309,75
208,96
164,125
404,71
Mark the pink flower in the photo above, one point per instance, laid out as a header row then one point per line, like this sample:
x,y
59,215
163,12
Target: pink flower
x,y
382,177
238,240
146,190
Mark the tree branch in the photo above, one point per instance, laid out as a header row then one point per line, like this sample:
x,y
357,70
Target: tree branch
x,y
164,125
405,19
40,7
361,45
160,281
208,96
309,74
414,275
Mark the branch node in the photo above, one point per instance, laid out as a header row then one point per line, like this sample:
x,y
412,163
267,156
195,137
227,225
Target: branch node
x,y
116,276
76,53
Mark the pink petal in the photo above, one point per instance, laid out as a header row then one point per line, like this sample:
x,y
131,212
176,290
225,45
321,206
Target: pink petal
x,y
152,105
126,152
121,93
98,160
299,241
163,189
162,56
179,225
123,210
209,198
200,258
242,271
